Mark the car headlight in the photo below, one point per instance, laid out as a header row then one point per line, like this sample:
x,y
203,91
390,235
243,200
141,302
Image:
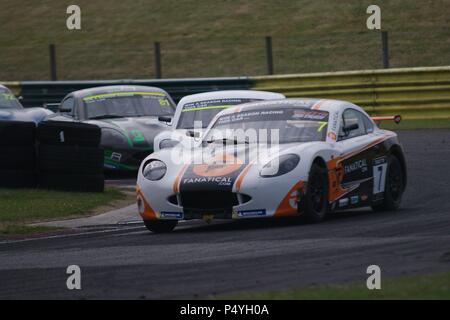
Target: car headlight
x,y
280,166
113,138
154,170
168,143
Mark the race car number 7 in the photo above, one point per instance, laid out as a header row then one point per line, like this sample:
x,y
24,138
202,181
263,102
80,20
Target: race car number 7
x,y
379,176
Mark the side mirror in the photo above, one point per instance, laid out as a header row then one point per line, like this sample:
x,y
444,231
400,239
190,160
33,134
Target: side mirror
x,y
65,110
164,119
193,134
351,127
54,107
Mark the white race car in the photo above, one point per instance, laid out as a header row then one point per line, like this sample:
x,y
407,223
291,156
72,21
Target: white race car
x,y
194,113
309,157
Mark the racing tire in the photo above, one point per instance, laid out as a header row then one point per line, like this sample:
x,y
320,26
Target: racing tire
x,y
17,133
17,158
72,182
315,203
69,133
394,187
70,159
160,226
17,179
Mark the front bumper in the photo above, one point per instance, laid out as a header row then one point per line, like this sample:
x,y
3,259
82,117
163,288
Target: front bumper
x,y
256,198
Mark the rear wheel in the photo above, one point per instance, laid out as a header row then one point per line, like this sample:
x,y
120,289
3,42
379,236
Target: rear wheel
x,y
316,198
394,187
160,226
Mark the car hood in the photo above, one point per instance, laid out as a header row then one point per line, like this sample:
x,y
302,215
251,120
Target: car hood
x,y
140,132
218,168
29,114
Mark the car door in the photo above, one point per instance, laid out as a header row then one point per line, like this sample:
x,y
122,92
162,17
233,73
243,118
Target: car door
x,y
355,144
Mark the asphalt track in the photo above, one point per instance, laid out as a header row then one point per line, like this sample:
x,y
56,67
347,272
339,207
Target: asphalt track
x,y
198,261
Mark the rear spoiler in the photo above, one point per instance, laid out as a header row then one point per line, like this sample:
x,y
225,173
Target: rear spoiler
x,y
397,119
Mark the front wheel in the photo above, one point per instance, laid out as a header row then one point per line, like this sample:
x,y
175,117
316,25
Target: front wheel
x,y
316,197
160,226
394,187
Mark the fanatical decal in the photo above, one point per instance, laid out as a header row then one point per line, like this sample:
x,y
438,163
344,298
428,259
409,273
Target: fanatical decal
x,y
219,174
357,165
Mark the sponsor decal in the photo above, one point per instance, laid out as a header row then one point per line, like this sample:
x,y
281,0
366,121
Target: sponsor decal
x,y
334,121
218,180
137,136
354,200
116,156
309,115
251,213
332,135
364,197
360,165
343,202
171,215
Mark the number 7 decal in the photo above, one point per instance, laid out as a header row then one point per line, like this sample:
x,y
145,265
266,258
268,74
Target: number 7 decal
x,y
379,175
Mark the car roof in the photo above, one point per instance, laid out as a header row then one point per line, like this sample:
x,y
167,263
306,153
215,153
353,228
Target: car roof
x,y
111,89
232,94
308,103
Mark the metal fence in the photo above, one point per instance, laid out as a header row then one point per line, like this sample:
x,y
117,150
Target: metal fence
x,y
217,57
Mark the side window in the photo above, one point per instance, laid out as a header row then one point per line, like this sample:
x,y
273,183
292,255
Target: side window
x,y
368,124
67,105
352,117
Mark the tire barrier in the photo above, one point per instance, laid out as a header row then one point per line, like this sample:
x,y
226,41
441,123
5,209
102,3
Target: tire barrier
x,y
17,154
69,156
67,133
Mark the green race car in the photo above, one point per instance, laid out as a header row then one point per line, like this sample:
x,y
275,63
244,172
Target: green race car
x,y
129,116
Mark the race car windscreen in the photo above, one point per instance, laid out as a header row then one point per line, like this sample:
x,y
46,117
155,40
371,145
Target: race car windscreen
x,y
291,125
8,100
127,104
205,111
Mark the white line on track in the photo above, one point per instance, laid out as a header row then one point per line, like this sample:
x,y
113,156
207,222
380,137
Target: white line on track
x,y
70,235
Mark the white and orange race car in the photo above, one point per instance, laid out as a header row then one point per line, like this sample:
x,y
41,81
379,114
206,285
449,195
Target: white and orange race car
x,y
291,157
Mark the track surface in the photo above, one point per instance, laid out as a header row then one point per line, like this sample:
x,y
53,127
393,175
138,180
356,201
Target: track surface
x,y
198,261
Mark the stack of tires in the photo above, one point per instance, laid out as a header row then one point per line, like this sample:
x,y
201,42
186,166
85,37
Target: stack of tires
x,y
70,157
17,154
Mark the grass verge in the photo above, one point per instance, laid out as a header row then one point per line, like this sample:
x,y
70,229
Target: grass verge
x,y
20,207
436,286
216,38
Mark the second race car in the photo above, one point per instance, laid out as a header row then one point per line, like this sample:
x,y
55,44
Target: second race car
x,y
194,113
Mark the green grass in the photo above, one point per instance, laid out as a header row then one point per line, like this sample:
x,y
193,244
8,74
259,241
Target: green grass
x,y
19,207
417,124
216,37
435,286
